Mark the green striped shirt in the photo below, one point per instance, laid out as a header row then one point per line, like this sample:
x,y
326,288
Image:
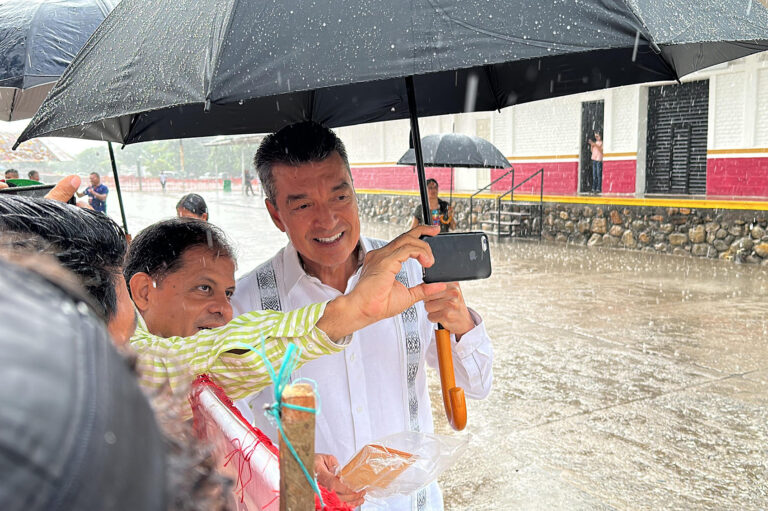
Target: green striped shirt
x,y
175,361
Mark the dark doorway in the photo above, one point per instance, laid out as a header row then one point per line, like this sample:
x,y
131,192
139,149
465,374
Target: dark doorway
x,y
591,121
677,138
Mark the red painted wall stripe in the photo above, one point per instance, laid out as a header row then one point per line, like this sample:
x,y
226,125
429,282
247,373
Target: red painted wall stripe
x,y
739,177
733,177
398,177
619,176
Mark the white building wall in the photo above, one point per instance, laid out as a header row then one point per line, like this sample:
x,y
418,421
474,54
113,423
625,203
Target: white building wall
x,y
546,128
623,121
761,114
738,119
502,123
366,143
728,110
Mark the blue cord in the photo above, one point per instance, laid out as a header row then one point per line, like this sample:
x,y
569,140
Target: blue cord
x,y
279,382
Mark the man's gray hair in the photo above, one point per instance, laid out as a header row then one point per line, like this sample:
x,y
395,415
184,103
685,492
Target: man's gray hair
x,y
294,145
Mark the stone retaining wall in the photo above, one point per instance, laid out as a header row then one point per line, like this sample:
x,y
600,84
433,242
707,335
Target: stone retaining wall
x,y
741,236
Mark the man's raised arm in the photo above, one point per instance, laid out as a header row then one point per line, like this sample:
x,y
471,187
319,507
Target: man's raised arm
x,y
378,295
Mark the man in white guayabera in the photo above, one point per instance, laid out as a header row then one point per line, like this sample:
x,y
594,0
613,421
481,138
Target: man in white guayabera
x,y
372,389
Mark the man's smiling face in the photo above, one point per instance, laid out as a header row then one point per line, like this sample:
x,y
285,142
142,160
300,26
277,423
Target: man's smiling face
x,y
315,205
194,297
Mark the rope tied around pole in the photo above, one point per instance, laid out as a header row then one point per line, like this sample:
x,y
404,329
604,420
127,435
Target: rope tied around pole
x,y
280,381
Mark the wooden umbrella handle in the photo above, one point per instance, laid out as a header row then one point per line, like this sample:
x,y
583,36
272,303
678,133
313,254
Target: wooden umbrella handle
x,y
453,396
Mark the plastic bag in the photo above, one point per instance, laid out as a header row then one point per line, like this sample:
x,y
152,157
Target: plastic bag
x,y
402,463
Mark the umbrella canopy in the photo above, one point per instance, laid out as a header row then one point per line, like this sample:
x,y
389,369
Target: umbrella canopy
x,y
38,40
161,70
457,150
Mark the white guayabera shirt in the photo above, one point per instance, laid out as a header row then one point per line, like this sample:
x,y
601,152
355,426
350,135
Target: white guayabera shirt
x,y
377,386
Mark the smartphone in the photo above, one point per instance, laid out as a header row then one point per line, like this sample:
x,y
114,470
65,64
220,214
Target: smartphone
x,y
32,191
458,256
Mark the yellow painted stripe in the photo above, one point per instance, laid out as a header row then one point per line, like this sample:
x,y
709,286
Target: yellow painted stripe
x,y
620,155
606,200
738,151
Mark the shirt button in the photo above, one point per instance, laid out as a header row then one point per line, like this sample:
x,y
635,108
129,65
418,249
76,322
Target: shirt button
x,y
352,357
359,409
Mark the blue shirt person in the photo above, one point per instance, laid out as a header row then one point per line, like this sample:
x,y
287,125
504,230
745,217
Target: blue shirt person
x,y
97,193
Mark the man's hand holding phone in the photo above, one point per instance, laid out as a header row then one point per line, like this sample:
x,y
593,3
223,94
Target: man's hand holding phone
x,y
378,294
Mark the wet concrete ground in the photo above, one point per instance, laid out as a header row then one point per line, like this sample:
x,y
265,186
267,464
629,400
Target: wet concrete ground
x,y
623,380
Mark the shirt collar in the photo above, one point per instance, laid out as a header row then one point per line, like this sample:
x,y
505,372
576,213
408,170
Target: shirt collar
x,y
294,271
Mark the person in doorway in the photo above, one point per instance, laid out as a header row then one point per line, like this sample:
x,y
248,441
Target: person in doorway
x,y
34,175
372,389
247,185
97,193
163,180
441,213
596,147
192,206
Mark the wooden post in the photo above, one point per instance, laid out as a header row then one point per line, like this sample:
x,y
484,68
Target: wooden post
x,y
295,492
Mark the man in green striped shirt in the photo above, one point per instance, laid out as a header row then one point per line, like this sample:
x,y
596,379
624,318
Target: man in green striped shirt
x,y
180,273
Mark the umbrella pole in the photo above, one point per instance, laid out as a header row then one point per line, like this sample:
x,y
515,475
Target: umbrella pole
x,y
117,185
416,138
453,396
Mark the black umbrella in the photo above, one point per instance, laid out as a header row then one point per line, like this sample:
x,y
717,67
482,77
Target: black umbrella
x,y
456,150
190,68
162,70
38,40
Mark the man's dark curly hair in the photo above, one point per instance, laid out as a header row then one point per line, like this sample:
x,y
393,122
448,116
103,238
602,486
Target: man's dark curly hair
x,y
158,249
89,244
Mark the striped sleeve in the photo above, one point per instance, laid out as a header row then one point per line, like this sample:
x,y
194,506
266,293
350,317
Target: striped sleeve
x,y
176,361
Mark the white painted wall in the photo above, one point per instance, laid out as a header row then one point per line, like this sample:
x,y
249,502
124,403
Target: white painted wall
x,y
761,110
738,119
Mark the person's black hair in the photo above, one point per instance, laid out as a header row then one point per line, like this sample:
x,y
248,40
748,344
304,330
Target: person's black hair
x,y
29,174
193,203
299,143
89,244
7,171
432,180
95,174
158,249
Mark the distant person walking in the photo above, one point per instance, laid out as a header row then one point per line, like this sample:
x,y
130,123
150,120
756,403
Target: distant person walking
x,y
247,178
192,206
441,213
163,180
97,193
596,146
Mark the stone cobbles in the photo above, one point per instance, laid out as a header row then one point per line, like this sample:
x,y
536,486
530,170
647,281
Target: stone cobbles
x,y
739,236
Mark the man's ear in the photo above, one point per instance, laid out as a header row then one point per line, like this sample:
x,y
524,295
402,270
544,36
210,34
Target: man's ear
x,y
274,214
141,285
